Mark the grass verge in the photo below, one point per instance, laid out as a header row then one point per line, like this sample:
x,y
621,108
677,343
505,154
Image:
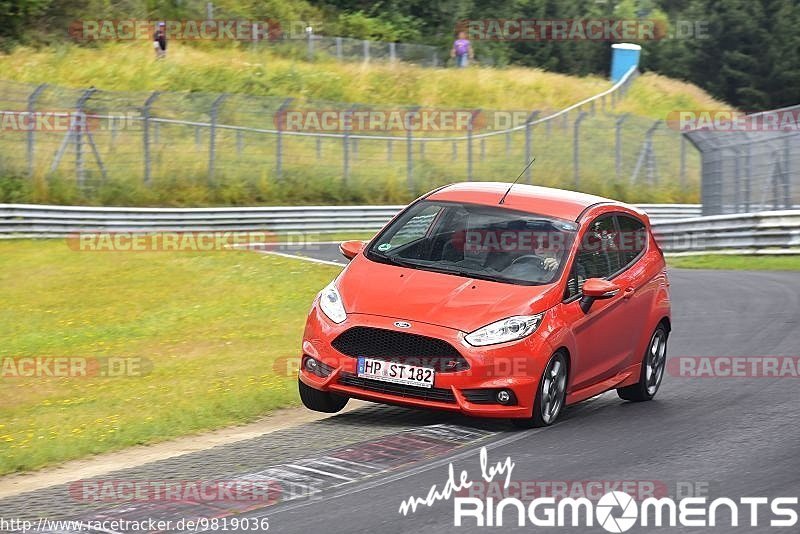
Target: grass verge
x,y
247,169
739,263
213,330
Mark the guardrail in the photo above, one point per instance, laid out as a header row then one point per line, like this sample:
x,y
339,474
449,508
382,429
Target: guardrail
x,y
678,227
768,232
31,220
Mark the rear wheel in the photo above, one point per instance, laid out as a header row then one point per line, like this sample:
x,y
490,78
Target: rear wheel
x,y
653,366
550,396
320,401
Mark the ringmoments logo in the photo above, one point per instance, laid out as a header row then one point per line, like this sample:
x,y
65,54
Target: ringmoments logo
x,y
615,511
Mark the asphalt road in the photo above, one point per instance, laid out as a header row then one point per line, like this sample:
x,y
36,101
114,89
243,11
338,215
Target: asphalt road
x,y
722,437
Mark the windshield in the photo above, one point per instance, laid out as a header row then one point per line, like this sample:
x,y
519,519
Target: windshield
x,y
486,242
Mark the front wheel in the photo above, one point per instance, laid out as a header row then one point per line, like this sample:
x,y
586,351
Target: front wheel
x,y
550,396
320,401
653,366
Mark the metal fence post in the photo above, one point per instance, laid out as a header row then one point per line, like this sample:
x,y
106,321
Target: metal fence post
x,y
31,132
529,143
576,148
365,48
146,134
647,156
737,180
748,177
339,48
348,125
279,138
409,149
469,142
618,145
212,135
683,163
787,174
392,52
78,127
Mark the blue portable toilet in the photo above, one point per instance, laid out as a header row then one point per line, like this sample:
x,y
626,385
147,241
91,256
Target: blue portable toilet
x,y
623,57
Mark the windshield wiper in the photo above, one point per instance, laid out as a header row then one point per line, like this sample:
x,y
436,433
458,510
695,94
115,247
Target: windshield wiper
x,y
397,261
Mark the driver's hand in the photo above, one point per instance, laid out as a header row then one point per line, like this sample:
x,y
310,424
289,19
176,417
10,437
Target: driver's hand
x,y
550,264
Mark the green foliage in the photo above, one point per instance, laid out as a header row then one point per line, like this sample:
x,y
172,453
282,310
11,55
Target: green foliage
x,y
747,53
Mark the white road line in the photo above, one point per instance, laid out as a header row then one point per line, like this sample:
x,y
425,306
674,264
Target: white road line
x,y
321,472
359,464
294,257
342,468
382,481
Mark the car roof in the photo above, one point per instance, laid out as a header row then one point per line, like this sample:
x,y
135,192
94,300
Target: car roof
x,y
549,201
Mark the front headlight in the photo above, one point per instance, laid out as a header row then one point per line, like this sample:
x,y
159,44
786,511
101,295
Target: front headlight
x,y
330,301
509,329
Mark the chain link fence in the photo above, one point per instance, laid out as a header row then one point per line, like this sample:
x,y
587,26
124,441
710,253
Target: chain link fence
x,y
90,139
315,47
752,170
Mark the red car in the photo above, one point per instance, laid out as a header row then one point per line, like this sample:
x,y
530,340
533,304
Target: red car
x,y
493,303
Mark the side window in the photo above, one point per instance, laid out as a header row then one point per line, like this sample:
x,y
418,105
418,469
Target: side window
x,y
632,238
416,227
597,256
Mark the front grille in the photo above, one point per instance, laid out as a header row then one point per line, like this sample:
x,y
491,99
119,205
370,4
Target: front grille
x,y
402,347
401,390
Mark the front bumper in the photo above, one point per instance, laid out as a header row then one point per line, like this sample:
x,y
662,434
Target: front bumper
x,y
516,366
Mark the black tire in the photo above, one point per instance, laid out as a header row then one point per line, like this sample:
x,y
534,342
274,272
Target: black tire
x,y
321,401
653,366
546,414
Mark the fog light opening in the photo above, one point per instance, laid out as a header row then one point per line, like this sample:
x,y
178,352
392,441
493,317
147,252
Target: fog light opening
x,y
316,367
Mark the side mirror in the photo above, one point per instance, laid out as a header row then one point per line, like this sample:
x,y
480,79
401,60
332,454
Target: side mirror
x,y
596,288
351,249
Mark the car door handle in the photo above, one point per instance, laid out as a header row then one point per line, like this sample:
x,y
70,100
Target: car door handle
x,y
628,293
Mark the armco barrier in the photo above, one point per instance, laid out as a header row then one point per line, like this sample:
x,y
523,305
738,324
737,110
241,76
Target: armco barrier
x,y
768,232
678,227
31,220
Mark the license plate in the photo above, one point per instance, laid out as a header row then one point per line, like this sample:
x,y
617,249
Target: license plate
x,y
398,373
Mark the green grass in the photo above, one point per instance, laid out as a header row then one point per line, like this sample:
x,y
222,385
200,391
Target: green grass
x,y
211,325
314,174
739,263
131,67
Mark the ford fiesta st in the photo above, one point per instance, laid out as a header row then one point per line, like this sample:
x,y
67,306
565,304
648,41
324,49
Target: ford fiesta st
x,y
493,302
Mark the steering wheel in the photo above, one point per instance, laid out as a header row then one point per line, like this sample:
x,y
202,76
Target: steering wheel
x,y
527,257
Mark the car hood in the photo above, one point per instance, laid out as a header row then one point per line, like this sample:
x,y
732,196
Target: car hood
x,y
447,300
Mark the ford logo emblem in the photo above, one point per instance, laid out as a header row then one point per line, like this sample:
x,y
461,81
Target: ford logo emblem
x,y
402,324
